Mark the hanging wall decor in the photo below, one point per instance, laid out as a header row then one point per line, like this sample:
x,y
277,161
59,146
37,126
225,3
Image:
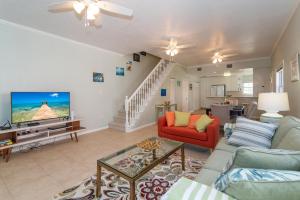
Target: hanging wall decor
x,y
98,77
129,65
294,63
163,92
136,57
120,71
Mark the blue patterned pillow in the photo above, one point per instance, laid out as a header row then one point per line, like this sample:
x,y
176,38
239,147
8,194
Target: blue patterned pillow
x,y
256,175
252,133
228,129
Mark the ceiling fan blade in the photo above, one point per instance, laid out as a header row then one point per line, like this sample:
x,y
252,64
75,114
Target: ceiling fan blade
x,y
98,21
61,7
185,46
230,55
114,8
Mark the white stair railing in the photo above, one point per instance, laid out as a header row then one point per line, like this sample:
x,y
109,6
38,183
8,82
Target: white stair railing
x,y
136,102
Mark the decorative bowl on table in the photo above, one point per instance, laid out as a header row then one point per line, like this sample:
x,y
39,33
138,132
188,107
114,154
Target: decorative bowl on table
x,y
149,145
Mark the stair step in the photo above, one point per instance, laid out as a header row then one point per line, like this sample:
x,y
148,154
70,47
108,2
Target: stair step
x,y
120,119
117,126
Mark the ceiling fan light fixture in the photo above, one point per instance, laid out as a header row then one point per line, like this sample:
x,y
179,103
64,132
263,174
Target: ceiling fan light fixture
x,y
93,9
220,60
168,52
78,7
215,61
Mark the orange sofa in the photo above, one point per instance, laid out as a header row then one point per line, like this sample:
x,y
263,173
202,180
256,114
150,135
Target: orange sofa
x,y
208,139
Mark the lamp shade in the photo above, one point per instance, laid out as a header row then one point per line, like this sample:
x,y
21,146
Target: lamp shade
x,y
273,102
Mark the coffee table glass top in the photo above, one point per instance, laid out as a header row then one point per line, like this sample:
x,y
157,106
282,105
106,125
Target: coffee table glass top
x,y
133,160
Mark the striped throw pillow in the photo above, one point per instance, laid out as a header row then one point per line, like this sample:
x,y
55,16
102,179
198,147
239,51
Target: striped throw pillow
x,y
186,189
252,133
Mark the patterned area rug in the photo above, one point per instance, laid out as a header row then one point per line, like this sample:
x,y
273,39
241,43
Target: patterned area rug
x,y
150,187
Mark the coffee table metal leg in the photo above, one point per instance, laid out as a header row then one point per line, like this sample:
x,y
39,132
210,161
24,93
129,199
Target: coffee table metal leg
x,y
98,181
132,190
182,158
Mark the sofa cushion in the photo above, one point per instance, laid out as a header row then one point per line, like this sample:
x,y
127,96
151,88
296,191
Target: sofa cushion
x,y
218,160
207,176
185,132
285,125
260,184
170,117
182,118
280,159
223,145
252,133
291,140
193,120
203,122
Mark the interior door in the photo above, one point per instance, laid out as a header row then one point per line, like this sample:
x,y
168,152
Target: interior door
x,y
196,96
172,90
185,96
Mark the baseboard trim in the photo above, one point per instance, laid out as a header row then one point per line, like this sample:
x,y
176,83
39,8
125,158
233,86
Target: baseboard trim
x,y
140,127
93,130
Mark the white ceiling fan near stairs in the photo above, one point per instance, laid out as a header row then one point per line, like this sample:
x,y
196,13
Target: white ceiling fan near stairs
x,y
127,117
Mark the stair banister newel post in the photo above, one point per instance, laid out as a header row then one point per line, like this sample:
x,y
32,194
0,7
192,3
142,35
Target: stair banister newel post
x,y
126,113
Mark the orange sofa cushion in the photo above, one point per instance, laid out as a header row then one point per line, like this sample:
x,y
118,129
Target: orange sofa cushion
x,y
170,116
193,120
185,132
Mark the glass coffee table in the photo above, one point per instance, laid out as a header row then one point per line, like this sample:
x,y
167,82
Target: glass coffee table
x,y
133,162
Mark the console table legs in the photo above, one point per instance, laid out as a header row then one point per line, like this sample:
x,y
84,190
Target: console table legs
x,y
6,154
75,134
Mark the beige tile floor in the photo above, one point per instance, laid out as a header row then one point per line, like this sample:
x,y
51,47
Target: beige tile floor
x,y
40,173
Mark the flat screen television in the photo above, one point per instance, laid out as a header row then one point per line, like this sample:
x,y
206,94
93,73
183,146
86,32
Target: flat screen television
x,y
28,107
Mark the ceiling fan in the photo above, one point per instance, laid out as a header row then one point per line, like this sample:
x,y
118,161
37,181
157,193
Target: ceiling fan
x,y
219,57
173,48
91,9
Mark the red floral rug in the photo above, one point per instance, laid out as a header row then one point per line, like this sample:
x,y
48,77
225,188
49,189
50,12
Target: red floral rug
x,y
150,187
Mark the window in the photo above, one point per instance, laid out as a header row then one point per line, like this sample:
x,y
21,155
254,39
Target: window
x,y
279,80
248,88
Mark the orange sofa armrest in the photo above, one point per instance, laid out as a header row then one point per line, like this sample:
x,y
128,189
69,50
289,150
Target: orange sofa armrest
x,y
213,132
161,122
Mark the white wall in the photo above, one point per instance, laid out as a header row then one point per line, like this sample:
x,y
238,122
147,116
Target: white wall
x,y
31,60
286,50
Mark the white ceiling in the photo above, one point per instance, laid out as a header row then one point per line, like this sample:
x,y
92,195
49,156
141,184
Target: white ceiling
x,y
248,28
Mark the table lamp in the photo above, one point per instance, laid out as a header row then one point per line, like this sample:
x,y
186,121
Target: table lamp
x,y
272,103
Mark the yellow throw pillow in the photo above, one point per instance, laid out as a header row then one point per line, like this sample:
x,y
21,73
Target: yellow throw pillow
x,y
182,118
203,122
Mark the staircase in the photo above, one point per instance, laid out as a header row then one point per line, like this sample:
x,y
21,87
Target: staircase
x,y
134,105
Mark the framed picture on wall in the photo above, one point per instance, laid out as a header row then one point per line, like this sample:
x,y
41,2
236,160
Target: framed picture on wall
x,y
98,77
294,63
120,71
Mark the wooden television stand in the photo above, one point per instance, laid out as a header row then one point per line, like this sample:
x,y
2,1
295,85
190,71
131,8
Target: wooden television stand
x,y
46,131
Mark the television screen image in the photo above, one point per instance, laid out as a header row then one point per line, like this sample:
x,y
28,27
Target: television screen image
x,y
36,106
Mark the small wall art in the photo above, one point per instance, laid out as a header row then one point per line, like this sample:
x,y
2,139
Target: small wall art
x,y
191,86
294,63
120,71
178,83
163,92
98,77
136,57
129,65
